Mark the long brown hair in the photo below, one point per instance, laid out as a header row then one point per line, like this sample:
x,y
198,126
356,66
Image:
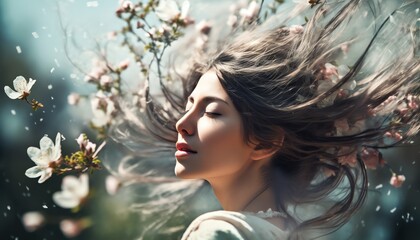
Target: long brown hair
x,y
272,75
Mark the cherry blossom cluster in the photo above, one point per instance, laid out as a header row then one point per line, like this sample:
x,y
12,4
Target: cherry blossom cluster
x,y
395,110
49,160
74,190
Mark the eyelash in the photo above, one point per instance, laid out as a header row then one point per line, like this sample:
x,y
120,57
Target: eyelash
x,y
210,114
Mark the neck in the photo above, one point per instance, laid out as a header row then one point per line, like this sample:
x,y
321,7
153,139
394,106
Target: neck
x,y
243,191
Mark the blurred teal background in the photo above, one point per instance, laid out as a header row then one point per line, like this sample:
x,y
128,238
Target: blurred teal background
x,y
389,213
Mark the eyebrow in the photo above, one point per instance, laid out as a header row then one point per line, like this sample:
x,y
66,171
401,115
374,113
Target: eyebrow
x,y
209,99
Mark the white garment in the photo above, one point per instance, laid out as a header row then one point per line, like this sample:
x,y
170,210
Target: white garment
x,y
228,225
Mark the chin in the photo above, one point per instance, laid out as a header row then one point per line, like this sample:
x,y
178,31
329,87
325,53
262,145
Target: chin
x,y
183,173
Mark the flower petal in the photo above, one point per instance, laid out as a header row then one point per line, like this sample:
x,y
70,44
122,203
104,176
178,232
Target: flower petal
x,y
30,84
11,93
45,175
167,10
34,153
57,148
70,184
46,143
83,190
65,199
185,8
34,172
20,84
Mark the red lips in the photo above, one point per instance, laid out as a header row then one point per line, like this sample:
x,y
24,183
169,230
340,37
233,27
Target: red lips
x,y
180,146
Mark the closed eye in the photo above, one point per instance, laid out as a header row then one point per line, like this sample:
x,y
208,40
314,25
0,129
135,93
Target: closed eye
x,y
213,114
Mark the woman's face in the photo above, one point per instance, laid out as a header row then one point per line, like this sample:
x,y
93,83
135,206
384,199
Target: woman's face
x,y
210,137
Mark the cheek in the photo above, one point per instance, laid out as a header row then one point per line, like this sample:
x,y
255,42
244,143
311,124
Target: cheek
x,y
222,141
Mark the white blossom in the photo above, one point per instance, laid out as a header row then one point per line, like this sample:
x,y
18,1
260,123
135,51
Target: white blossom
x,y
105,80
168,10
44,157
103,109
112,184
22,88
74,191
99,68
251,12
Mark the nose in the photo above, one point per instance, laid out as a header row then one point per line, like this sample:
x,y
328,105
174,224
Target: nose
x,y
185,125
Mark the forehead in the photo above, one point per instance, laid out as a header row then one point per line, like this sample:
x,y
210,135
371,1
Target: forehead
x,y
209,85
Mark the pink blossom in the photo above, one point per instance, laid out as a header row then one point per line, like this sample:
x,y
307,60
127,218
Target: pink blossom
x,y
124,64
386,107
296,29
87,146
413,102
70,228
372,158
402,110
204,27
329,76
33,221
99,68
394,135
347,156
397,180
73,98
232,21
251,12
